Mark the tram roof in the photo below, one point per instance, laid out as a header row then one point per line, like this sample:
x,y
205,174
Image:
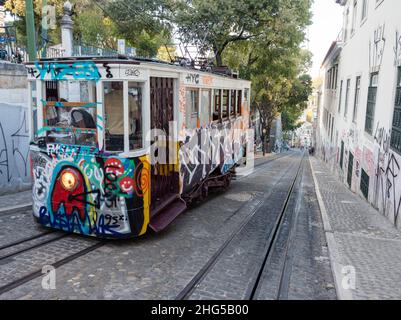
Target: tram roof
x,y
123,59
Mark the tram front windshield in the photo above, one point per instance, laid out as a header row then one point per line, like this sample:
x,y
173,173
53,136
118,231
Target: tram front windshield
x,y
70,112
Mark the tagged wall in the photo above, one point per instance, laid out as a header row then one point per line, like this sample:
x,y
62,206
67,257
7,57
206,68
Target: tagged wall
x,y
362,155
14,129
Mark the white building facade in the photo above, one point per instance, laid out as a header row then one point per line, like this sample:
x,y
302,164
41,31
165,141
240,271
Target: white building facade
x,y
359,125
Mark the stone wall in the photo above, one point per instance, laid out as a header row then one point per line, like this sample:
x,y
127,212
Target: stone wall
x,y
14,129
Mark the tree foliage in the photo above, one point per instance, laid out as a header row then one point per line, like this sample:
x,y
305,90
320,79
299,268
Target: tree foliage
x,y
275,63
144,24
216,24
17,9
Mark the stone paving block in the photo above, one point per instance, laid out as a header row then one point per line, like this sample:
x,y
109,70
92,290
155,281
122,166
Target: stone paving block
x,y
364,238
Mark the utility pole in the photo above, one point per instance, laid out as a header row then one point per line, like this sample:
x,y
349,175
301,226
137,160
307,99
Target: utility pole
x,y
30,30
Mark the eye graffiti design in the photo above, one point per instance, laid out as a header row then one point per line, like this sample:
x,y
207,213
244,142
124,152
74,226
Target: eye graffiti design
x,y
60,196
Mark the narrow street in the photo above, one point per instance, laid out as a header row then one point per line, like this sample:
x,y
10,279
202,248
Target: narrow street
x,y
174,152
261,239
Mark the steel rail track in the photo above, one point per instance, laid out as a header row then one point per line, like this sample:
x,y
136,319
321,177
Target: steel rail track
x,y
37,245
15,243
283,289
196,280
15,209
57,264
260,166
251,293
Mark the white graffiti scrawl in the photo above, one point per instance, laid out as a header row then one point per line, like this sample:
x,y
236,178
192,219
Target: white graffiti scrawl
x,y
376,47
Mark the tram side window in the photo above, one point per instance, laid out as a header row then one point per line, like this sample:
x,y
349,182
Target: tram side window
x,y
192,108
217,105
135,115
114,115
233,104
70,112
205,107
224,110
239,102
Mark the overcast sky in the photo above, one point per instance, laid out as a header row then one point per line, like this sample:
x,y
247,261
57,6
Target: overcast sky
x,y
327,22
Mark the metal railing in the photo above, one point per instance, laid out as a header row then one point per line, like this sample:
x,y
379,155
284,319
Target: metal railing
x,y
79,50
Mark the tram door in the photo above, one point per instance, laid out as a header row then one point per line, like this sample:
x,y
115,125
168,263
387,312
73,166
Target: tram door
x,y
164,178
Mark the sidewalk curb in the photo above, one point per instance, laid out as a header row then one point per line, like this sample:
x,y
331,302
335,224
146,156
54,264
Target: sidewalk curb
x,y
13,209
336,266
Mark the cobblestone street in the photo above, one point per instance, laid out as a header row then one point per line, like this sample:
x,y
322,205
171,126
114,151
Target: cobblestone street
x,y
218,245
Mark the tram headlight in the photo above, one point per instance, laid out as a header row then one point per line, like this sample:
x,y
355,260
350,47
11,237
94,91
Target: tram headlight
x,y
69,180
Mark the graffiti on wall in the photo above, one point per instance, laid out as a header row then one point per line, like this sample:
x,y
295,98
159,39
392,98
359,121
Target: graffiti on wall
x,y
14,148
397,48
387,190
376,47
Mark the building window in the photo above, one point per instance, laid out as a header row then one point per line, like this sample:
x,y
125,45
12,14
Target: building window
x,y
364,184
346,25
396,131
347,97
328,79
364,9
331,78
192,108
340,97
342,154
356,99
335,76
354,16
370,109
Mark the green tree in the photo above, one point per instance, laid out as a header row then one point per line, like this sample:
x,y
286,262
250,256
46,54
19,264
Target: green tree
x,y
144,24
297,102
92,26
273,61
217,24
17,9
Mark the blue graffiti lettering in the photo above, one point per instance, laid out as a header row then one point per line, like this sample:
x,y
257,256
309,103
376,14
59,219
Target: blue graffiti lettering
x,y
80,70
60,220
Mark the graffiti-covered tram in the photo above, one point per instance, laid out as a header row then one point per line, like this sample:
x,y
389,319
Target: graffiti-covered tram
x,y
119,145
